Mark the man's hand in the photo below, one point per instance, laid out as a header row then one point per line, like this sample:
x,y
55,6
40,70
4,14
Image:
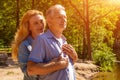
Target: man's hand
x,y
61,61
70,51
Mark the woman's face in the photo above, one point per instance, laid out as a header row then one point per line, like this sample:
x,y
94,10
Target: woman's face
x,y
36,25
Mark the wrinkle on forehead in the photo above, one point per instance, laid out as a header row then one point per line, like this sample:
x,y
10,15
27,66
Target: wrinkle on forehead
x,y
58,12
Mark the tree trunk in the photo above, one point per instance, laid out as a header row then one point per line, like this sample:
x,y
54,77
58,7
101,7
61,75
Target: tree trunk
x,y
33,2
87,28
17,14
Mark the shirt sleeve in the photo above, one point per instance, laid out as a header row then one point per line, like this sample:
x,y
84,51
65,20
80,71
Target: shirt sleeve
x,y
23,54
38,50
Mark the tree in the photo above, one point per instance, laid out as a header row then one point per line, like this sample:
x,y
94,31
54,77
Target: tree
x,y
89,20
7,19
95,28
116,46
17,13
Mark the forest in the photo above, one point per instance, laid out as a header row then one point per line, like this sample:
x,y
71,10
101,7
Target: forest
x,y
93,26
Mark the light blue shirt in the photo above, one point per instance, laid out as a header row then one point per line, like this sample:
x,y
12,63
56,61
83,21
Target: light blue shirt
x,y
23,53
45,48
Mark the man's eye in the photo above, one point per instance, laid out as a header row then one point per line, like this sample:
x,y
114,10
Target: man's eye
x,y
36,23
41,21
58,17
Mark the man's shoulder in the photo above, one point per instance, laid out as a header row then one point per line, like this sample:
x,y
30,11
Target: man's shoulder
x,y
43,36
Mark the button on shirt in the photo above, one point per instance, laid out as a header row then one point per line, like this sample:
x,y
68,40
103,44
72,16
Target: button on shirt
x,y
45,48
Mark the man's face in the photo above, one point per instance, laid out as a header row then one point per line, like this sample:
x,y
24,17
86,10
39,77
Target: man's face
x,y
59,20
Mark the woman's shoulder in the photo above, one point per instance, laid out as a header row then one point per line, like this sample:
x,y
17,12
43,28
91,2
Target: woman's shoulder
x,y
23,44
26,42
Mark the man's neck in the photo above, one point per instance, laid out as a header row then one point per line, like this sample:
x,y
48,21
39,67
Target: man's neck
x,y
56,33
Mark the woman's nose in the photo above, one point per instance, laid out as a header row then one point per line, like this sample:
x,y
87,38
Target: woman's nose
x,y
41,25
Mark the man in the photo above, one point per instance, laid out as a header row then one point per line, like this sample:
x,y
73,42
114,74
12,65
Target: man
x,y
53,45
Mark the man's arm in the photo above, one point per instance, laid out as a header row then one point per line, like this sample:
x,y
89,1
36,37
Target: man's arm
x,y
70,51
46,68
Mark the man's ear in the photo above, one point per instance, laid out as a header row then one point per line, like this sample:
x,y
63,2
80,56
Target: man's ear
x,y
47,20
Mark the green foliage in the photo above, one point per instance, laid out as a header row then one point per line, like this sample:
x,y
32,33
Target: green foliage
x,y
104,58
102,17
7,19
102,39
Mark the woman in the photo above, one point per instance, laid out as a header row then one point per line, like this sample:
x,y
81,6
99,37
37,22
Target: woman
x,y
32,24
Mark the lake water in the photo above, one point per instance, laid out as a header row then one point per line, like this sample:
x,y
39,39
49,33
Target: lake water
x,y
115,75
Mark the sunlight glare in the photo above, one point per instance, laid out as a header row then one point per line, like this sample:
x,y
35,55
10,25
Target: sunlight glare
x,y
114,2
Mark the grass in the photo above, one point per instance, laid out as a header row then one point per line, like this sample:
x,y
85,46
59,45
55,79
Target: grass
x,y
5,49
10,72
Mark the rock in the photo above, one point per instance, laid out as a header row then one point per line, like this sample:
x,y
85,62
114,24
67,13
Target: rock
x,y
85,70
3,58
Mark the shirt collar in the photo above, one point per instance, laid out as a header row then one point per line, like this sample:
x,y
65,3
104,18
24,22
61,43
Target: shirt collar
x,y
51,35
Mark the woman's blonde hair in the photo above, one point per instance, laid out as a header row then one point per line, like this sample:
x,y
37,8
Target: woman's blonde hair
x,y
23,31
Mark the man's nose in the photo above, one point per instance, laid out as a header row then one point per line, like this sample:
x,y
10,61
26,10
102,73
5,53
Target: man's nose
x,y
40,23
64,19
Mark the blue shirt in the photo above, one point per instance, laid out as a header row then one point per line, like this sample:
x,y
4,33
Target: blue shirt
x,y
45,48
23,54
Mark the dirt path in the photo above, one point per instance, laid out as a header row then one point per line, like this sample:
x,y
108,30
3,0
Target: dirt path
x,y
10,73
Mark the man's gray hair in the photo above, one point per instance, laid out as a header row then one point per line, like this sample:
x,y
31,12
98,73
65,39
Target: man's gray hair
x,y
53,9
